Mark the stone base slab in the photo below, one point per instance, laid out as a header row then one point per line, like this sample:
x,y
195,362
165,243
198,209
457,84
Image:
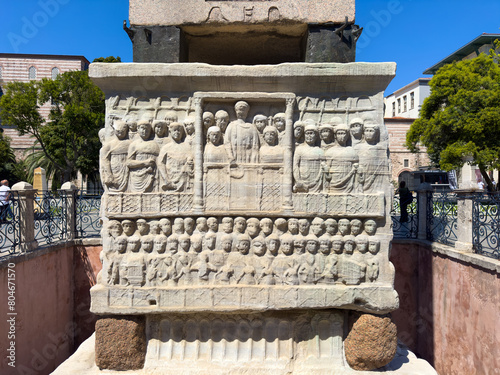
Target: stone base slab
x,y
377,299
83,363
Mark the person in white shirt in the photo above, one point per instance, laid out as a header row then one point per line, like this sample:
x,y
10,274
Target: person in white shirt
x,y
4,199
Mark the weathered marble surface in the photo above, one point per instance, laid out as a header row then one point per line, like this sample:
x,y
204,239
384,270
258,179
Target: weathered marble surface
x,y
83,362
297,169
240,188
190,12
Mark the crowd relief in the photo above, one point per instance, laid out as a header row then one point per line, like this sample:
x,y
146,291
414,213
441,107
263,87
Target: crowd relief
x,y
335,155
200,251
334,170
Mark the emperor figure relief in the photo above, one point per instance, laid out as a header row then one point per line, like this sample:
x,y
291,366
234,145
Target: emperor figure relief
x,y
242,138
141,159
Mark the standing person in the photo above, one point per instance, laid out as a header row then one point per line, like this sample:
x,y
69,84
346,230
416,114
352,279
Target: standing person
x,y
405,198
308,161
241,140
4,200
480,184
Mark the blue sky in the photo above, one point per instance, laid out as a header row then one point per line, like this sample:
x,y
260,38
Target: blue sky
x,y
414,33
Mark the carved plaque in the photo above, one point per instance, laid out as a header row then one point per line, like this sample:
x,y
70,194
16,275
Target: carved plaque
x,y
220,198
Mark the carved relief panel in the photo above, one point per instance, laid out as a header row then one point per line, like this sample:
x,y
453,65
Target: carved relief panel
x,y
253,255
245,152
232,194
217,340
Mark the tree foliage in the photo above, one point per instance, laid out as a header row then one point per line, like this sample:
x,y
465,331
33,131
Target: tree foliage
x,y
109,59
9,168
460,121
69,139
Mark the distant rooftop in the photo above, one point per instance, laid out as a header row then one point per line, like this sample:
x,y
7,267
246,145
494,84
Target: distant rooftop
x,y
461,53
44,56
417,82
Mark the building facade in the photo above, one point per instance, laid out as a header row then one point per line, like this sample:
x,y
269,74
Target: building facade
x,y
16,67
403,161
482,44
403,106
407,101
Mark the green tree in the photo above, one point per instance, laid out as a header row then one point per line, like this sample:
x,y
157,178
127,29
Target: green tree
x,y
460,121
109,59
9,168
69,139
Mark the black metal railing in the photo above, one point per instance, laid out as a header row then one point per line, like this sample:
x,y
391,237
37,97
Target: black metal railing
x,y
486,224
51,218
51,215
10,226
405,226
442,217
88,221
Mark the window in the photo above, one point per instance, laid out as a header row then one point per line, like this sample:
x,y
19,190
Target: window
x,y
55,73
399,105
412,100
393,109
32,73
0,72
405,103
406,163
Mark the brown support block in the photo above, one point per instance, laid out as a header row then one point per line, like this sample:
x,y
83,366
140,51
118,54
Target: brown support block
x,y
120,343
371,342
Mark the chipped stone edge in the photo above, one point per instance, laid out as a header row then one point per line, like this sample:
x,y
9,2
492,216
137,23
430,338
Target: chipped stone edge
x,y
347,298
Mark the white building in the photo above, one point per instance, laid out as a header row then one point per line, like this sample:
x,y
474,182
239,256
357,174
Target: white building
x,y
407,101
402,107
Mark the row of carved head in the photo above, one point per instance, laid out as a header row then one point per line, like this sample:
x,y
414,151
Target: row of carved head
x,y
325,129
287,244
240,225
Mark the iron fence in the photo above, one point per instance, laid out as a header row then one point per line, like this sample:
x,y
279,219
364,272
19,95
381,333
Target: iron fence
x,y
51,217
442,217
486,224
405,227
10,226
88,206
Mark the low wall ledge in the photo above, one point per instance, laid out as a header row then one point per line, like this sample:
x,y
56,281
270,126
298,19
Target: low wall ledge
x,y
46,249
450,252
95,241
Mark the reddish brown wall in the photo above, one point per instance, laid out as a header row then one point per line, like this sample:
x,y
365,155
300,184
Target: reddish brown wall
x,y
449,310
52,300
86,265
